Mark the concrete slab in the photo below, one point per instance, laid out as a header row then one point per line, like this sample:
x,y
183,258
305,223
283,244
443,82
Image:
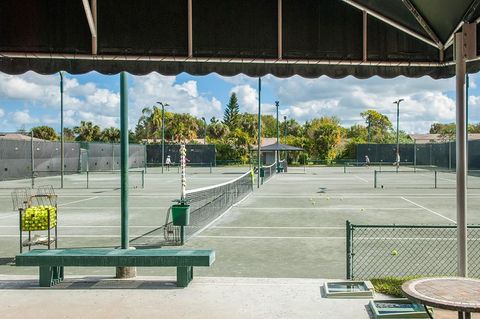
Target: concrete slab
x,y
100,297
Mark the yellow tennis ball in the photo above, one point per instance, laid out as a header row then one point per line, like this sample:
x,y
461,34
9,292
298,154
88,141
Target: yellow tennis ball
x,y
394,252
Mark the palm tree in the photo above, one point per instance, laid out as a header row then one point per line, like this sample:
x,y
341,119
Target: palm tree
x,y
111,134
87,132
182,127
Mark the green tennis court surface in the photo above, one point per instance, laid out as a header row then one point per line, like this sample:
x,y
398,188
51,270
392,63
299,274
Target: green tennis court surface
x,y
293,226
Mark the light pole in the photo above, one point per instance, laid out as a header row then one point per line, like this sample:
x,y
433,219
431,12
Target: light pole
x,y
163,131
62,144
259,130
285,135
277,159
398,121
368,119
205,132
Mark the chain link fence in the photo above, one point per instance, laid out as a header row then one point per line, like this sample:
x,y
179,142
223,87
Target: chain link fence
x,y
377,251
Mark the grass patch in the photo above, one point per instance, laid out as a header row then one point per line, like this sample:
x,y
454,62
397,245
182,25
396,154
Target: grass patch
x,y
390,285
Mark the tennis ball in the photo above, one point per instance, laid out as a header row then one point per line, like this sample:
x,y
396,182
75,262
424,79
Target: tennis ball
x,y
394,252
362,209
328,198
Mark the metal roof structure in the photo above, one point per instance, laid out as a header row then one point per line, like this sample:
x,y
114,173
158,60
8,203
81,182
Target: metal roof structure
x,y
309,38
278,147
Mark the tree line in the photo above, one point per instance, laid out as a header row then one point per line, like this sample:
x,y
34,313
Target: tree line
x,y
236,134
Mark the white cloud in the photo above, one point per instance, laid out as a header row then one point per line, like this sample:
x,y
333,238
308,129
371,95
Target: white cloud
x,y
2,113
22,118
247,98
182,98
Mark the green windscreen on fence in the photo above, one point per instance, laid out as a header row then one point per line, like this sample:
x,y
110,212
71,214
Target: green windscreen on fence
x,y
377,251
28,158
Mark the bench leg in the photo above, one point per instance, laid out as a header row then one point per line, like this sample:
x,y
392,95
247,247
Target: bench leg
x,y
184,276
50,275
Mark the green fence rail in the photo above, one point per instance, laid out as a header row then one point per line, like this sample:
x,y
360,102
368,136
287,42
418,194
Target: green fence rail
x,y
353,166
377,251
422,177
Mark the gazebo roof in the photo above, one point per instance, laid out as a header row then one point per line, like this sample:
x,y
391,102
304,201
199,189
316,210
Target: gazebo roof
x,y
310,38
279,147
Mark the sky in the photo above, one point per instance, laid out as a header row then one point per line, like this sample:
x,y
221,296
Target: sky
x,y
32,99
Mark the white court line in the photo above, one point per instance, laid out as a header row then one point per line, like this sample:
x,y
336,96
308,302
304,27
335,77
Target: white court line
x,y
278,227
414,238
270,237
8,216
106,208
428,210
78,201
223,214
89,236
325,208
353,195
84,226
360,178
216,227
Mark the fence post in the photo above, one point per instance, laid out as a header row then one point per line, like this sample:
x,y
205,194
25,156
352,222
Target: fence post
x,y
375,179
143,179
435,178
344,167
349,249
210,167
87,178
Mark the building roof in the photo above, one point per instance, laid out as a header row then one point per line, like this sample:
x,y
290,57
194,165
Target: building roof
x,y
309,38
18,137
433,138
279,147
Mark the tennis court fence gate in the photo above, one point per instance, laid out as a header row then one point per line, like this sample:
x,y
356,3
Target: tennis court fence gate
x,y
379,251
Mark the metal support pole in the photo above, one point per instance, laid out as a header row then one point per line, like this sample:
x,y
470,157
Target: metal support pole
x,y
348,249
32,158
277,158
467,85
374,179
449,155
398,125
62,143
259,130
436,178
205,132
368,138
163,136
124,158
461,155
415,156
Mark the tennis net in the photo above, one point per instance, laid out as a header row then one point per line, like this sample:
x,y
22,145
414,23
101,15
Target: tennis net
x,y
268,171
207,204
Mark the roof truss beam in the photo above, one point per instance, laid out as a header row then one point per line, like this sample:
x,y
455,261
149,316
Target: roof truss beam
x,y
423,23
393,23
91,14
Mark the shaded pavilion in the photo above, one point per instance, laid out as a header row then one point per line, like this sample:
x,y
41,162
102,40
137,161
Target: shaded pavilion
x,y
310,38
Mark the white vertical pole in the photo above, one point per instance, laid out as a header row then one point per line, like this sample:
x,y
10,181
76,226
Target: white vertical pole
x,y
461,156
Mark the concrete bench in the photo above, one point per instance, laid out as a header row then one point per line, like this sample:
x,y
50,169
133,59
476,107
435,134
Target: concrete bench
x,y
52,261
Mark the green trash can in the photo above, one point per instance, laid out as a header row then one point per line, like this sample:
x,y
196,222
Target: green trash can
x,y
181,214
262,172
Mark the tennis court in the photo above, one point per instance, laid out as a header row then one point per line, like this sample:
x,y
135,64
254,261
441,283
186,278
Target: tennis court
x,y
293,226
